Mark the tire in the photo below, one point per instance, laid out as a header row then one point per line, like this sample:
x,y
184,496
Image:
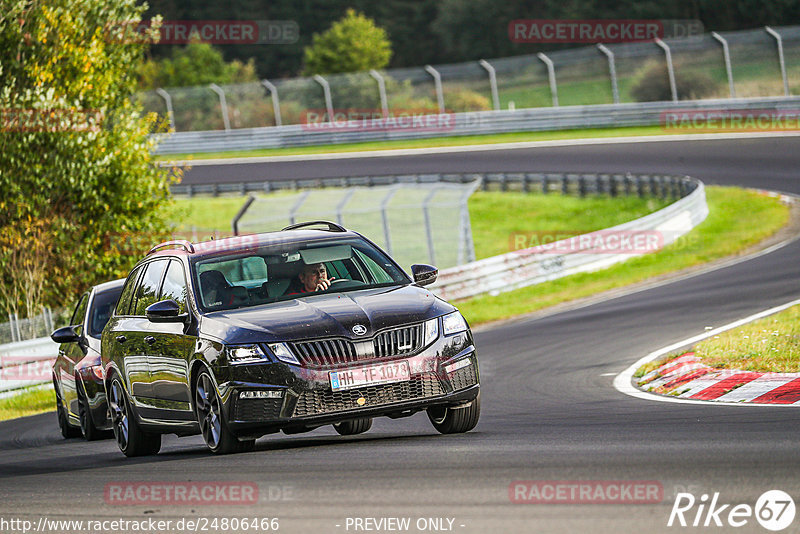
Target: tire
x,y
208,409
130,437
88,429
455,420
67,431
353,426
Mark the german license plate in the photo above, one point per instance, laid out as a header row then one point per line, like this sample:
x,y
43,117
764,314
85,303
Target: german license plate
x,y
370,375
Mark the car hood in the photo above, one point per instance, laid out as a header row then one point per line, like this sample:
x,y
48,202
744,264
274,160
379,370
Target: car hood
x,y
325,315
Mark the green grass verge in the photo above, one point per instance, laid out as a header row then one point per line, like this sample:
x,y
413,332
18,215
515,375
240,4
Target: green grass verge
x,y
427,143
31,402
737,220
771,344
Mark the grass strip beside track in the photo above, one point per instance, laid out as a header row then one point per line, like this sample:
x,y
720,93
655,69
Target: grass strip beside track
x,y
30,402
515,137
737,220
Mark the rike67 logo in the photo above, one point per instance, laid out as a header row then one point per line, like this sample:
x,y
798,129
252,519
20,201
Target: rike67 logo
x,y
774,510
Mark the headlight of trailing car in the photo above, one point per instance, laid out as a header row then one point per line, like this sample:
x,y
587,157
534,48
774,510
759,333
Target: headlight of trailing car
x,y
453,323
282,352
431,331
245,354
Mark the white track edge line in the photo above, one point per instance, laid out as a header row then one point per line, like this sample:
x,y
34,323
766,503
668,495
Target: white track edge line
x,y
623,381
477,148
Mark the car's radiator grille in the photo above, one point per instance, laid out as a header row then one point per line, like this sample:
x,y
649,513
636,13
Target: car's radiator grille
x,y
257,409
321,402
398,342
326,352
464,377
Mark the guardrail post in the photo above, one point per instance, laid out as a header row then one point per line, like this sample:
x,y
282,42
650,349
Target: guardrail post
x,y
297,204
612,70
639,186
240,214
492,83
222,104
779,41
726,54
551,75
428,229
581,186
437,82
613,185
326,90
545,185
168,101
564,184
381,91
670,68
276,105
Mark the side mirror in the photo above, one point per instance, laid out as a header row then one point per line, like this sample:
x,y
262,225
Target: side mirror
x,y
424,274
165,311
66,334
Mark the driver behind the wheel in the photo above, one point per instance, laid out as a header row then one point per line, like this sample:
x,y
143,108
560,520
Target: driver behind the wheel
x,y
314,277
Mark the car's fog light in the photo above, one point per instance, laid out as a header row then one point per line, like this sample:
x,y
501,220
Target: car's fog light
x,y
460,364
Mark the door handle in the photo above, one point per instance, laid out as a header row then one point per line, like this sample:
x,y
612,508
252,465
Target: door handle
x,y
121,339
149,340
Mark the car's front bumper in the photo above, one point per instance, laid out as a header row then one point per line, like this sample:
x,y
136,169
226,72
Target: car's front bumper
x,y
302,398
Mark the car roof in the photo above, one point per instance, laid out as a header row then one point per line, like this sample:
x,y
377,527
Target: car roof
x,y
108,286
215,247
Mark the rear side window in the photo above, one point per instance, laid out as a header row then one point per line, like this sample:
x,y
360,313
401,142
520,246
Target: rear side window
x,y
147,289
174,286
124,304
100,313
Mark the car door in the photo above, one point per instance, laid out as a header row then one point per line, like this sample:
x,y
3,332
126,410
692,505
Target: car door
x,y
70,354
169,355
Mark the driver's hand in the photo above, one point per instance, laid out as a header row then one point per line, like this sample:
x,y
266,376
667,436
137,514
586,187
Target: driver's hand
x,y
322,285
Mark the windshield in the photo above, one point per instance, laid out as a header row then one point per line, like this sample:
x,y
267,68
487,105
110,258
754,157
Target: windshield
x,y
285,272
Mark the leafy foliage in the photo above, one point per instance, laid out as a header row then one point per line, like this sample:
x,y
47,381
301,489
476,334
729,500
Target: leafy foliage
x,y
194,64
80,191
352,44
652,84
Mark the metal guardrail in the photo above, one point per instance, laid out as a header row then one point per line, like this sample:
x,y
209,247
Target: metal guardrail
x,y
468,123
26,363
575,255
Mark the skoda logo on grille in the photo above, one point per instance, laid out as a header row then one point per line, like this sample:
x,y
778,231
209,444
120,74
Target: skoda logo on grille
x,y
359,329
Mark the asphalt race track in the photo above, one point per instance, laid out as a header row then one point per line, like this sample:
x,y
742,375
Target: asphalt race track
x,y
550,412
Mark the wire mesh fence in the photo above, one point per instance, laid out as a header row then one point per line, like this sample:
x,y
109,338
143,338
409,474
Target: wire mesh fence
x,y
639,71
35,327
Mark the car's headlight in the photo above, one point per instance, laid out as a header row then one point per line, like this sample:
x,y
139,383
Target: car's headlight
x,y
431,331
245,354
453,323
282,352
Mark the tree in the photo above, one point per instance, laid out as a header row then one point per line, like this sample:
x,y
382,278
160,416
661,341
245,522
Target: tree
x,y
352,44
194,64
79,187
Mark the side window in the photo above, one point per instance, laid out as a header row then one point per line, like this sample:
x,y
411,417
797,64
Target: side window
x,y
174,286
378,275
147,289
124,304
79,314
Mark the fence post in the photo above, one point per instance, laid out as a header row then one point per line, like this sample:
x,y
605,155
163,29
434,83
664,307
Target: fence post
x,y
326,90
276,105
428,229
242,211
387,236
551,75
670,68
612,70
779,41
437,82
726,54
293,211
340,206
381,91
222,104
168,101
492,83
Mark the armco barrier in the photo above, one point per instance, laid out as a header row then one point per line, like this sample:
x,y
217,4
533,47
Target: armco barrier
x,y
470,123
23,363
538,264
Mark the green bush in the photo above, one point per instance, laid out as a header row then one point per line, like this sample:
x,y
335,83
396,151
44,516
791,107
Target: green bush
x,y
457,100
651,84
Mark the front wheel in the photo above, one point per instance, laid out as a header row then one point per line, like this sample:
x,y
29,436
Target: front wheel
x,y
131,439
455,420
353,426
208,408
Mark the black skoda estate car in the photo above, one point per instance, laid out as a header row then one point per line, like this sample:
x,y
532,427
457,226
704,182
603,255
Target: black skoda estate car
x,y
284,331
